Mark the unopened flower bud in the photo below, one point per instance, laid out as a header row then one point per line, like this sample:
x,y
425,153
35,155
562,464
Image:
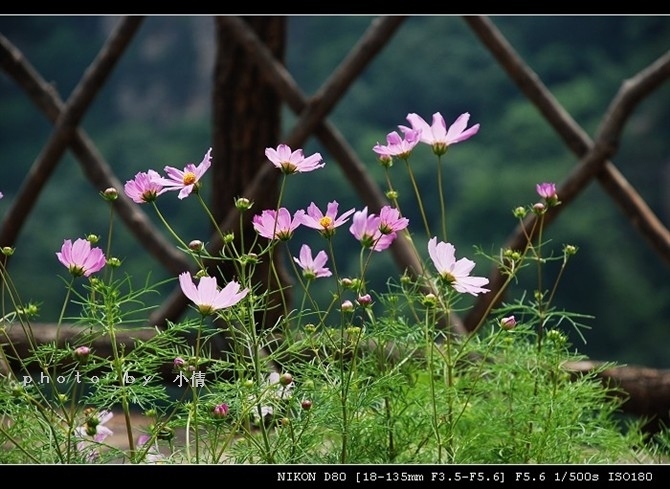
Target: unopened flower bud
x,y
196,245
310,328
557,337
228,238
113,262
570,250
512,255
429,300
520,212
243,204
306,404
285,379
7,250
353,332
508,323
29,311
347,283
92,238
178,363
347,306
539,208
81,353
220,411
392,195
110,194
364,300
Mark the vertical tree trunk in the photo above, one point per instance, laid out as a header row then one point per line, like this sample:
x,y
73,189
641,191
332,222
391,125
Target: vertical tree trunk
x,y
246,120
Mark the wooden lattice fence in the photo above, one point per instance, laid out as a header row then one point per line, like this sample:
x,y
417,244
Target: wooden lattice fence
x,y
649,389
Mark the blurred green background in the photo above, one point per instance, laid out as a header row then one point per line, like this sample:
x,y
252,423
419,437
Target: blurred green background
x,y
155,111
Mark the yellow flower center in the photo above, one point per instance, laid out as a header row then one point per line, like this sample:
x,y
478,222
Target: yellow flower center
x,y
448,278
326,222
288,167
189,178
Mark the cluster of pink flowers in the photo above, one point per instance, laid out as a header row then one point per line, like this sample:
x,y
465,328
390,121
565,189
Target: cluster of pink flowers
x,y
436,135
374,232
147,186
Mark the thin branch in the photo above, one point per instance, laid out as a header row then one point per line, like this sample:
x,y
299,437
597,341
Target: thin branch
x,y
595,162
92,162
65,128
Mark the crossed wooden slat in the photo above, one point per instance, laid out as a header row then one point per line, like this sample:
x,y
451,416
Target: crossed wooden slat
x,y
595,155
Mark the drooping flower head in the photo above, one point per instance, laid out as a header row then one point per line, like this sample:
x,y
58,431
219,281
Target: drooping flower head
x,y
312,267
455,272
207,296
325,223
144,187
277,225
396,146
186,180
437,135
80,259
366,229
293,162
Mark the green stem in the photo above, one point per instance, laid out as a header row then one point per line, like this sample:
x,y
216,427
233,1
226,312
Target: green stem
x,y
418,196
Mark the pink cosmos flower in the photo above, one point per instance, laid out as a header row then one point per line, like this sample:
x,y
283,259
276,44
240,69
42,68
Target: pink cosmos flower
x,y
185,181
456,273
390,220
312,267
396,146
273,225
293,162
80,259
325,223
437,134
207,295
144,188
365,229
548,192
